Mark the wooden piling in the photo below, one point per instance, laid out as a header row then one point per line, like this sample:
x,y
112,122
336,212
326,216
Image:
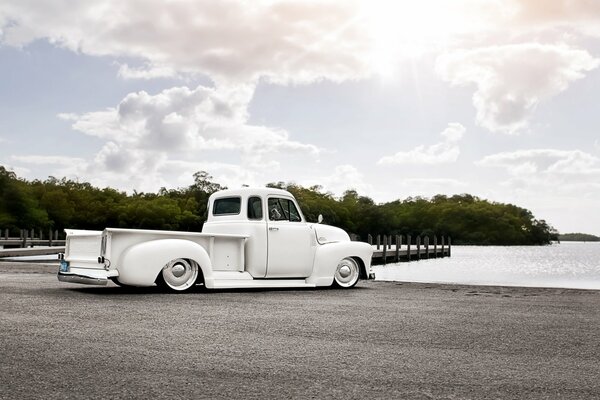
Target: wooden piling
x,y
408,240
6,234
370,239
378,241
442,246
449,246
418,248
426,246
56,234
384,249
50,237
398,244
24,234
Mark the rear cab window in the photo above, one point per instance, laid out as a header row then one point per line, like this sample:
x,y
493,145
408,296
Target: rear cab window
x,y
227,206
255,208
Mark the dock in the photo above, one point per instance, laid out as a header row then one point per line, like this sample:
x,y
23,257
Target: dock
x,y
399,248
31,251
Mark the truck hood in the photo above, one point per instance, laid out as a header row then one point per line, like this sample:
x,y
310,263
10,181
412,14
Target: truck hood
x,y
329,234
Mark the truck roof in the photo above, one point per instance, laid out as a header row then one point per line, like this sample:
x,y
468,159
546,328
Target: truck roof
x,y
246,191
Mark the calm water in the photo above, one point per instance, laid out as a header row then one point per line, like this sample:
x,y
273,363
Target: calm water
x,y
566,265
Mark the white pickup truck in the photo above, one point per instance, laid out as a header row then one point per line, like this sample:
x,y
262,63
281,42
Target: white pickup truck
x,y
253,238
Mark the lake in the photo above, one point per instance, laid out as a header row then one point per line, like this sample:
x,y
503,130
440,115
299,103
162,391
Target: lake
x,y
565,265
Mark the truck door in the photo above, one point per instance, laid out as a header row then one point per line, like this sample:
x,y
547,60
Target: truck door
x,y
290,240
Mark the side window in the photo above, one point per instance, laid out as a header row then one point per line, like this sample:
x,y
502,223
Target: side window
x,y
227,205
255,208
283,210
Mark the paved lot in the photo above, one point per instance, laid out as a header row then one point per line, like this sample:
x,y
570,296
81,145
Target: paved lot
x,y
379,340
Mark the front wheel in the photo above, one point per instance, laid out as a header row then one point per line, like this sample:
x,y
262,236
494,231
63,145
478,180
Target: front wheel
x,y
346,273
179,275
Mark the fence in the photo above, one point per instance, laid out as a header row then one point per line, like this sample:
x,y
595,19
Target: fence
x,y
30,238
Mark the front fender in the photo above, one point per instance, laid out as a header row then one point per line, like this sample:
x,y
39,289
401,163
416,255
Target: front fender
x,y
328,256
140,264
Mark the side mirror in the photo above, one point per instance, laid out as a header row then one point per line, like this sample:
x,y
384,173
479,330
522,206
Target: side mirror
x,y
320,218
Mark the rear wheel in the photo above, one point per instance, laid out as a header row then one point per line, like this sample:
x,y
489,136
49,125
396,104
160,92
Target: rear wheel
x,y
179,275
347,273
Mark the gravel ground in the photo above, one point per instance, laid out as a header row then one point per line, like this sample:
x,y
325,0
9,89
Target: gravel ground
x,y
378,340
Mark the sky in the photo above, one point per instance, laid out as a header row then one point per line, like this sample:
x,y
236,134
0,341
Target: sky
x,y
496,98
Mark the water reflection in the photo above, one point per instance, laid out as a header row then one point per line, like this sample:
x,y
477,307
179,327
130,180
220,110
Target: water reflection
x,y
566,265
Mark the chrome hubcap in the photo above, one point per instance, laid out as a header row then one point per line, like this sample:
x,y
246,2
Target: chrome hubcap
x,y
178,270
346,273
180,274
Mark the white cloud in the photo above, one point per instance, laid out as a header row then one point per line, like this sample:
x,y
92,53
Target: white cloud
x,y
540,161
342,178
148,137
146,72
232,40
443,152
513,79
583,15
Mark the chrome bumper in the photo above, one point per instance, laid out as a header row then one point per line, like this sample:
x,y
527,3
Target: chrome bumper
x,y
86,280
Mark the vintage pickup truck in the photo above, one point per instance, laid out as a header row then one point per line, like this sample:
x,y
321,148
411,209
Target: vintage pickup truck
x,y
253,238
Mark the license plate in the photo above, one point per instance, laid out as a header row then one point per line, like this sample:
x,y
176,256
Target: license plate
x,y
64,266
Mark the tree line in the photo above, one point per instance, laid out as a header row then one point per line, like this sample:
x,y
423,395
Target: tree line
x,y
578,237
63,203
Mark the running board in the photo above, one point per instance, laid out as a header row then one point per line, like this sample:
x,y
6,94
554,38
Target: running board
x,y
261,283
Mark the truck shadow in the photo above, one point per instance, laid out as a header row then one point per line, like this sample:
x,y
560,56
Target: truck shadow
x,y
119,290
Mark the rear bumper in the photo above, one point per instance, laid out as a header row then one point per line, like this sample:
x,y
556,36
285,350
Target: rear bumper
x,y
86,276
86,280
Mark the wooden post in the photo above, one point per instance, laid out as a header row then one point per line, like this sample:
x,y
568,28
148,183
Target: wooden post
x,y
418,247
50,237
24,244
384,249
408,246
56,234
32,234
6,234
378,241
434,246
443,247
390,242
398,244
370,239
426,246
449,246
21,234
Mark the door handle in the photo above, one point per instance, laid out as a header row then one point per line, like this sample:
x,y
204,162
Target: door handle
x,y
272,228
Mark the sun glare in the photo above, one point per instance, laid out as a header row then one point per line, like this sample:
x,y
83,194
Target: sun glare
x,y
406,30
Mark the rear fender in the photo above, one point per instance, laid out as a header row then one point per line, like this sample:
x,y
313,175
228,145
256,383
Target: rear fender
x,y
140,264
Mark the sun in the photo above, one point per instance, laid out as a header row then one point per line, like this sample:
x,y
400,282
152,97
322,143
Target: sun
x,y
408,29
